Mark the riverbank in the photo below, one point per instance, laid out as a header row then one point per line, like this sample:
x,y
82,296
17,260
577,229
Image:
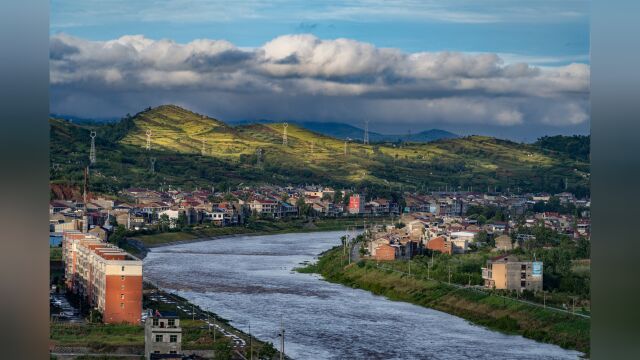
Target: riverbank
x,y
203,333
138,245
485,309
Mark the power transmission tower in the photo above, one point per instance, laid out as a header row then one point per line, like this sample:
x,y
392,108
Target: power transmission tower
x,y
92,152
204,150
345,148
259,156
366,132
285,141
153,165
148,139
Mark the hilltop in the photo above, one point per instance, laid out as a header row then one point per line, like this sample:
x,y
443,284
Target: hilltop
x,y
231,157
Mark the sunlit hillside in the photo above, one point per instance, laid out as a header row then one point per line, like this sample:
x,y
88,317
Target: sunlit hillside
x,y
194,150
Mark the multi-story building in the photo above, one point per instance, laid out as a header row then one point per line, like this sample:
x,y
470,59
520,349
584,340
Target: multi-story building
x,y
507,272
109,278
356,204
162,335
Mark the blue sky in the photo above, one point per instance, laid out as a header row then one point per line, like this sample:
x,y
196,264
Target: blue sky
x,y
546,34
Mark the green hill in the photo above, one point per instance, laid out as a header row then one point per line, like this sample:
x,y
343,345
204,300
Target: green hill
x,y
230,158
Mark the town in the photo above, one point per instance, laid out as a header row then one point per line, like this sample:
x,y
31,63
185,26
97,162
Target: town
x,y
102,270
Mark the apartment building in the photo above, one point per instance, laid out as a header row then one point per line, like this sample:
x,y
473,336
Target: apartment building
x,y
356,204
109,278
507,272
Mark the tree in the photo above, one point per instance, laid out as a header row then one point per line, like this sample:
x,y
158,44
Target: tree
x,y
182,220
345,200
164,222
481,237
118,236
337,197
267,351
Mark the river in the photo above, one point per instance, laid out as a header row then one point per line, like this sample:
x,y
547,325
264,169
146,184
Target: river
x,y
249,280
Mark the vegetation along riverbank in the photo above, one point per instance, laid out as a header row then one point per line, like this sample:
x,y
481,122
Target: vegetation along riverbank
x,y
488,309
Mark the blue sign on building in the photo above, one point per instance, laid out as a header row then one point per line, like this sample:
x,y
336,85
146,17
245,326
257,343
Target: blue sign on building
x,y
537,269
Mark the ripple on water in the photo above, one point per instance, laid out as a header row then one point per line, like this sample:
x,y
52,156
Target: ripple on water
x,y
249,279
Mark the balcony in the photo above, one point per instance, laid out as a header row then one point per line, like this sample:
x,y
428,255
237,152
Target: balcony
x,y
486,274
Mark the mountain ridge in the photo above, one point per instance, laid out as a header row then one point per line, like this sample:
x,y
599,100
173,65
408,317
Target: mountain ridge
x,y
346,131
255,153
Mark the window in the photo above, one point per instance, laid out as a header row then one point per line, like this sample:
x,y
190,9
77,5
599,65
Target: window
x,y
523,267
158,338
523,283
173,352
155,322
173,338
121,287
121,305
171,322
123,268
121,296
122,277
157,352
523,276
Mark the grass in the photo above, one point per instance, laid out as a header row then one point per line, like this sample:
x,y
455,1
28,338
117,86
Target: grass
x,y
55,253
482,308
100,337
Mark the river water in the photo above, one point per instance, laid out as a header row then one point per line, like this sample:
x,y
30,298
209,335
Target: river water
x,y
249,280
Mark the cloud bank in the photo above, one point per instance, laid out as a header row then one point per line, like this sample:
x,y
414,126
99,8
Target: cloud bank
x,y
303,77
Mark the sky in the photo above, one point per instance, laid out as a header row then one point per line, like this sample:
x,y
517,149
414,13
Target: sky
x,y
513,69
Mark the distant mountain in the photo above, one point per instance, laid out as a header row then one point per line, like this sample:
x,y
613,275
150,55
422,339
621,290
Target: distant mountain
x,y
83,121
190,149
346,131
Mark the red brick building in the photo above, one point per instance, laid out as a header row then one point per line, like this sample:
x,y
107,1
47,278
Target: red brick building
x,y
109,278
356,204
440,244
386,252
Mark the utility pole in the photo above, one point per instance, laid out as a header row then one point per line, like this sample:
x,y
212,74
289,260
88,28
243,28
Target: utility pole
x,y
193,314
281,339
449,274
250,343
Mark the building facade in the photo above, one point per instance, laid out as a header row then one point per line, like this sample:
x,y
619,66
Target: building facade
x,y
356,204
507,272
109,278
162,335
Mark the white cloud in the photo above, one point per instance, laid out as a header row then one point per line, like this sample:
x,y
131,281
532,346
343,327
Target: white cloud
x,y
349,78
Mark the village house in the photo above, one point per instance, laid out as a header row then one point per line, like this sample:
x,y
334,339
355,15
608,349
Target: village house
x,y
508,272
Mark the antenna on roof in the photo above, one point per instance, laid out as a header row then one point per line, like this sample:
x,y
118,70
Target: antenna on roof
x,y
285,141
149,139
